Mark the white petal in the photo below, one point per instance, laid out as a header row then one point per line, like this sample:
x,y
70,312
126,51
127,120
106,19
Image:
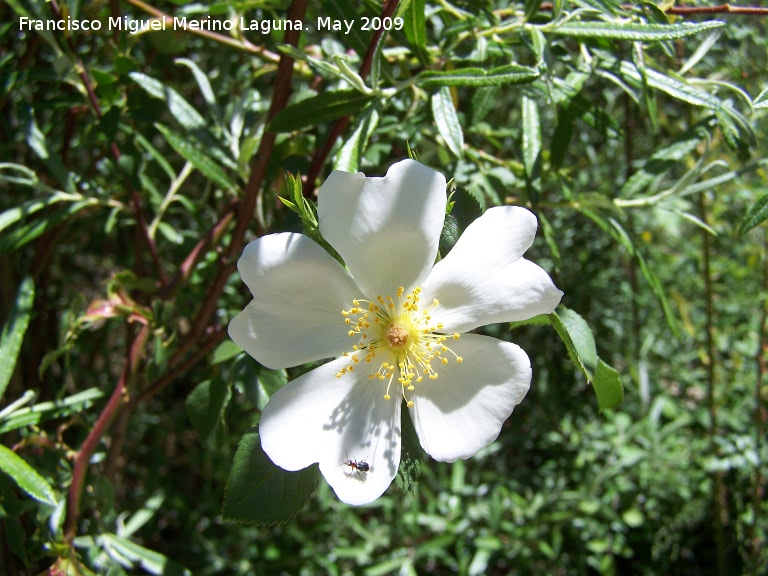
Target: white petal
x,y
484,280
463,410
386,229
321,418
299,291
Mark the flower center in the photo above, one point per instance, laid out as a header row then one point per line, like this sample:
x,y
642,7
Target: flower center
x,y
396,337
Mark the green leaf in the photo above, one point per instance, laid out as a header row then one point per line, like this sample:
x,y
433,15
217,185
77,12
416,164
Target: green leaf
x,y
756,215
225,351
316,64
129,555
607,385
531,8
483,101
14,330
578,339
415,28
319,109
258,492
205,407
202,80
509,74
449,235
531,137
447,120
663,160
348,157
29,231
204,163
26,477
672,86
39,144
632,31
74,404
762,100
183,111
266,383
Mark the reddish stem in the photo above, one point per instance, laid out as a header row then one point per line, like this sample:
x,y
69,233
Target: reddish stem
x,y
100,428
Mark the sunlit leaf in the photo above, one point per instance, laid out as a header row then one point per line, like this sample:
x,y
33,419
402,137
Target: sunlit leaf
x,y
319,109
607,385
510,74
26,477
756,215
199,159
13,331
447,120
632,31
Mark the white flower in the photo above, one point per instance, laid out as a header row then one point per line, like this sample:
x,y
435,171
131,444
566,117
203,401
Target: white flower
x,y
395,324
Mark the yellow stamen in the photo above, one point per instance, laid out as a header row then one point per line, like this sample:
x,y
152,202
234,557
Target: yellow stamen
x,y
406,339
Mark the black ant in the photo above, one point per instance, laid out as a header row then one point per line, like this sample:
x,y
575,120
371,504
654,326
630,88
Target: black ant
x,y
357,466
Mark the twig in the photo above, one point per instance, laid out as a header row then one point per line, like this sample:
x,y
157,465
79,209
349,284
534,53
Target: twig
x,y
221,39
341,124
99,429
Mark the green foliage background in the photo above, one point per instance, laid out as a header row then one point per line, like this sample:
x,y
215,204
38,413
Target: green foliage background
x,y
133,169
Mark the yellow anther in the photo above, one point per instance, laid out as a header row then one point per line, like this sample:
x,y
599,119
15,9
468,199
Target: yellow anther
x,y
386,396
410,404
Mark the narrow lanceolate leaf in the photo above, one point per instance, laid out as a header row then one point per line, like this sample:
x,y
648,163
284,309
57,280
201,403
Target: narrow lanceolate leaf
x,y
756,215
26,477
258,492
633,31
183,111
131,555
531,136
199,159
672,86
319,110
607,385
510,74
13,331
348,158
415,28
447,120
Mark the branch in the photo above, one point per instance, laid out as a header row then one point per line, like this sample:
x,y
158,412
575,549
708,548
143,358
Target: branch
x,y
106,417
341,124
